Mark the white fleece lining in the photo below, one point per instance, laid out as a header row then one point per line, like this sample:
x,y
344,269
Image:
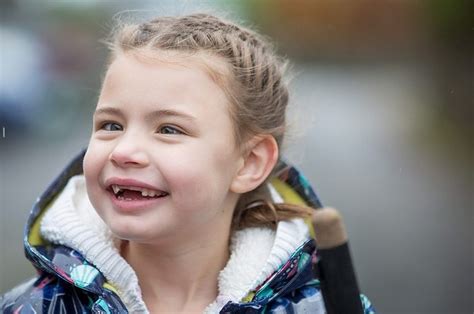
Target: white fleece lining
x,y
255,252
72,221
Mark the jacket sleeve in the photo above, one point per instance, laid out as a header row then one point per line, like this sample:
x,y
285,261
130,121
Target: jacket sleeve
x,y
9,301
45,294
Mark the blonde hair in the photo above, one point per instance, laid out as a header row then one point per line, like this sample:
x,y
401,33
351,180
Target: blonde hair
x,y
255,88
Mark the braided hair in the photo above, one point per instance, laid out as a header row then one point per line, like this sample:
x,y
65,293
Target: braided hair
x,y
252,79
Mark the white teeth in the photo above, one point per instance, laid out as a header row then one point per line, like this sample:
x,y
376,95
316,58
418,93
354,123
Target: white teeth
x,y
116,188
151,193
145,192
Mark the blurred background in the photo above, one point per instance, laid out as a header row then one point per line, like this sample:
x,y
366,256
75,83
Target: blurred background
x,y
381,123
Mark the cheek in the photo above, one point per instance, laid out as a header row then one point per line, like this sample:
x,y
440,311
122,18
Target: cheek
x,y
188,184
95,158
92,166
201,182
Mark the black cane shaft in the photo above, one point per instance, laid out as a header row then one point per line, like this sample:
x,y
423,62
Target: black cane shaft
x,y
334,268
338,281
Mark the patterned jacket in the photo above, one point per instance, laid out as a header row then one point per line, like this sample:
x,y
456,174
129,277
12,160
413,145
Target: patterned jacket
x,y
69,282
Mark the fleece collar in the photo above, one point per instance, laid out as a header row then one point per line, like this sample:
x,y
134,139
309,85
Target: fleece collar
x,y
65,217
255,252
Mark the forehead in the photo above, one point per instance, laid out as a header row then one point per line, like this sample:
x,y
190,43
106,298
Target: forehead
x,y
167,77
215,66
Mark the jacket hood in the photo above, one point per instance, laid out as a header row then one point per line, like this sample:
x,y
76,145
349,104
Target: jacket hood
x,y
79,252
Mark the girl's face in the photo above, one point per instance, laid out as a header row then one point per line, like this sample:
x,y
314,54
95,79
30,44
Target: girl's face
x,y
163,139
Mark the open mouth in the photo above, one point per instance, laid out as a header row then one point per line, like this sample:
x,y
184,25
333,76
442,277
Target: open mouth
x,y
131,193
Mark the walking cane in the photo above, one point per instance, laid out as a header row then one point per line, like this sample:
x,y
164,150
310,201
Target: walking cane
x,y
334,266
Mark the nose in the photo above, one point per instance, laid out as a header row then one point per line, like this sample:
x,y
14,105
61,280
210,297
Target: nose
x,y
129,153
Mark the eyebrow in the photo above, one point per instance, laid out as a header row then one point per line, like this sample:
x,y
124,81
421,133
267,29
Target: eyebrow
x,y
152,116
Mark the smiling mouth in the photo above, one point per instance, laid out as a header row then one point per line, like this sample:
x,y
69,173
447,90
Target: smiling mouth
x,y
130,193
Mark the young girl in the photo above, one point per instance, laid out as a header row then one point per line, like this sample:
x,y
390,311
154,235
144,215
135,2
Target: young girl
x,y
181,202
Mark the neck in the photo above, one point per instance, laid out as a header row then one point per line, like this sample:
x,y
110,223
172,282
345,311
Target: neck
x,y
181,276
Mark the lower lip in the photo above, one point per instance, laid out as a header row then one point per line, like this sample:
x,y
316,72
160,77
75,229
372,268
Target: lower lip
x,y
135,205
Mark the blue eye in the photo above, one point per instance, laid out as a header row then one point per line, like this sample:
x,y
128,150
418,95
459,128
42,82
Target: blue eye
x,y
111,126
169,130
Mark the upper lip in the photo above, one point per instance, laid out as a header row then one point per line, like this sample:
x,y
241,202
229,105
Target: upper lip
x,y
130,182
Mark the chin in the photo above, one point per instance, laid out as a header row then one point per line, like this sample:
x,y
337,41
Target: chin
x,y
127,232
134,230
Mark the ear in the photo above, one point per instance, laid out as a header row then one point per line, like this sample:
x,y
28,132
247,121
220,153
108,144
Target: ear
x,y
259,160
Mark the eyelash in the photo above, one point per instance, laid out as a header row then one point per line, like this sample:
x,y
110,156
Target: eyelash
x,y
102,126
176,131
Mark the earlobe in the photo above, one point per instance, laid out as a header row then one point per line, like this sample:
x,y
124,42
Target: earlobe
x,y
258,163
